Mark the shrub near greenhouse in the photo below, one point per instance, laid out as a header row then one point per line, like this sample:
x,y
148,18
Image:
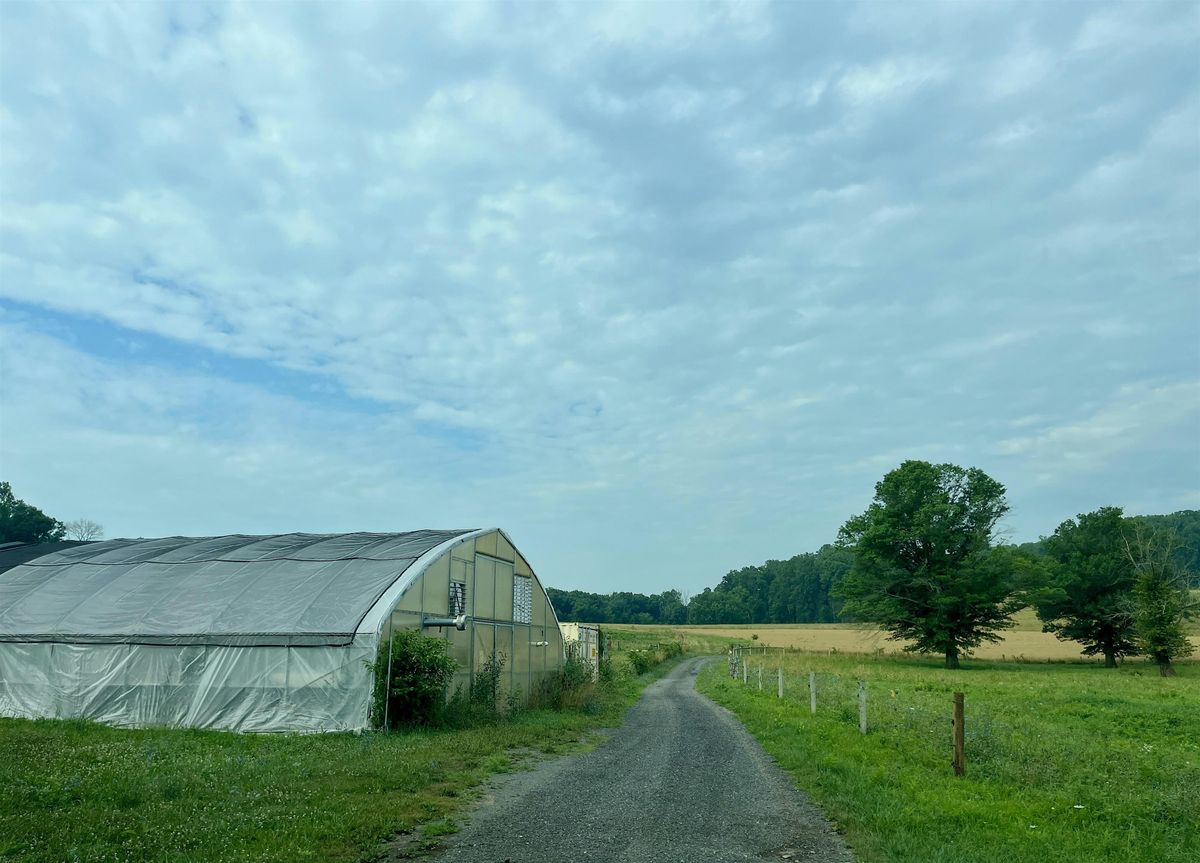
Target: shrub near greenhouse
x,y
417,694
646,658
421,669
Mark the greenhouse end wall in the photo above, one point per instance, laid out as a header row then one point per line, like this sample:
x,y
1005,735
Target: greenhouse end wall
x,y
509,615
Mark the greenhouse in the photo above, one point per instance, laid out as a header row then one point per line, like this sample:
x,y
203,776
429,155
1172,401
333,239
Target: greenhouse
x,y
258,633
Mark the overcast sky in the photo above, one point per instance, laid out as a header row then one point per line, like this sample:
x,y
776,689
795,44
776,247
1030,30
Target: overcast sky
x,y
663,290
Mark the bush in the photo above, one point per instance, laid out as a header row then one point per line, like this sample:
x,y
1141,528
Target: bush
x,y
642,661
576,671
421,670
646,658
571,688
480,704
607,672
485,687
671,650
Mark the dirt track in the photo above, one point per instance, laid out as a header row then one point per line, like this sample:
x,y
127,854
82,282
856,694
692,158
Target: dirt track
x,y
681,781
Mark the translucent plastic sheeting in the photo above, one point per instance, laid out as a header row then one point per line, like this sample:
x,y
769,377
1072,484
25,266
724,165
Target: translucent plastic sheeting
x,y
264,689
244,633
290,590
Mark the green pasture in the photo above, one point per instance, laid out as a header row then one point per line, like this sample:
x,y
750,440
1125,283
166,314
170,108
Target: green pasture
x,y
1064,762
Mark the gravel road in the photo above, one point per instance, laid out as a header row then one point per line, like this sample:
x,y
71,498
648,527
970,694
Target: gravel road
x,y
681,781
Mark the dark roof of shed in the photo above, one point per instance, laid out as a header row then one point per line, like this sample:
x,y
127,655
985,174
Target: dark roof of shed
x,y
288,589
15,553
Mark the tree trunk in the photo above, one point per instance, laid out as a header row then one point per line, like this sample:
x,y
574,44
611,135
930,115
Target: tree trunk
x,y
952,656
1165,668
1110,658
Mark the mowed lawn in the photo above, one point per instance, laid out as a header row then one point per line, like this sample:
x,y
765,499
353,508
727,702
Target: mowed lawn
x,y
1024,641
1064,761
75,791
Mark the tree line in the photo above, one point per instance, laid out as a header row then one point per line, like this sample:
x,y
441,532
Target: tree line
x,y
924,563
796,590
669,607
928,569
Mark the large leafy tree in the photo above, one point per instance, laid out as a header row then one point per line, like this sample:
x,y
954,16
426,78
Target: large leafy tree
x,y
23,522
1162,603
924,567
1087,597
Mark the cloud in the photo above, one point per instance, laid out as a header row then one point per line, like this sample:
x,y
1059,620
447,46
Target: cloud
x,y
889,80
608,278
1132,416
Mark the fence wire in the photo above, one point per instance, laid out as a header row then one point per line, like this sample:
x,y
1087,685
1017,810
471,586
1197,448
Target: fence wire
x,y
916,718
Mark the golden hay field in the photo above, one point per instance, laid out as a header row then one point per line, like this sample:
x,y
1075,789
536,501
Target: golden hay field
x,y
1024,641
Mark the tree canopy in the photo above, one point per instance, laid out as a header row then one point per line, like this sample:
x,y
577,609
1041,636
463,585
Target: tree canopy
x,y
796,590
84,530
1089,578
23,522
924,567
623,607
1162,600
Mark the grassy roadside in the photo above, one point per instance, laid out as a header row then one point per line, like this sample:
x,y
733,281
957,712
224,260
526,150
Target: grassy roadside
x,y
75,791
1064,762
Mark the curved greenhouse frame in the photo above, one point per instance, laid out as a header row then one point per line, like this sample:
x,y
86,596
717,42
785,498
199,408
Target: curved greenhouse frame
x,y
257,633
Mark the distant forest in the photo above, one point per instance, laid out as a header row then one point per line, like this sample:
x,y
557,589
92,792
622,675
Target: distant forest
x,y
796,590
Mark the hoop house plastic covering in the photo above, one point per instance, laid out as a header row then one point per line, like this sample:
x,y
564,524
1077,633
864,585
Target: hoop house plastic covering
x,y
252,633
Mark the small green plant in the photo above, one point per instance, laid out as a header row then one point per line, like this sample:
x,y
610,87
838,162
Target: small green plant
x,y
642,661
485,688
671,650
606,670
480,704
572,688
576,671
514,703
415,691
604,665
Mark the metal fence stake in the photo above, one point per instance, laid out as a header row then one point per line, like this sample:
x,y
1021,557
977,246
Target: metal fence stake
x,y
812,691
781,681
862,706
960,757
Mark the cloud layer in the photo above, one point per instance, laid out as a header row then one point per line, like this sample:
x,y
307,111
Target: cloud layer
x,y
661,288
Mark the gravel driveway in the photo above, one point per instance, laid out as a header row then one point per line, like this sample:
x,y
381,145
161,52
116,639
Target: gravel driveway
x,y
680,780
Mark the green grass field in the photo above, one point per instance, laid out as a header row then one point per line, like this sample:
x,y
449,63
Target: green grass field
x,y
1065,762
75,791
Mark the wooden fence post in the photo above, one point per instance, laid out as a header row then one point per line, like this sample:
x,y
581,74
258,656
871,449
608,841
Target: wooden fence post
x,y
745,671
760,678
812,691
781,681
862,706
960,759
